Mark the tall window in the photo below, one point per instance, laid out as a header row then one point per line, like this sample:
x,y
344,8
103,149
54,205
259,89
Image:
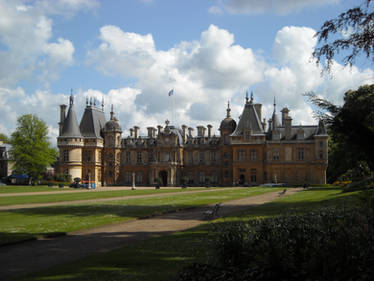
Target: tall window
x,y
150,156
139,177
189,156
241,154
128,177
253,175
320,154
301,153
247,135
202,177
128,158
213,156
276,154
253,154
139,158
66,155
167,156
202,156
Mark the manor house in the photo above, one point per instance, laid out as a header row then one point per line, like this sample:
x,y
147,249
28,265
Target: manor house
x,y
249,151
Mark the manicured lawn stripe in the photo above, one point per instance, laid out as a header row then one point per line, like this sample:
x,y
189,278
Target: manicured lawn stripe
x,y
27,188
61,197
26,223
161,258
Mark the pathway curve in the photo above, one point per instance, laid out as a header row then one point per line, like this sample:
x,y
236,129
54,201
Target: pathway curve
x,y
97,200
26,258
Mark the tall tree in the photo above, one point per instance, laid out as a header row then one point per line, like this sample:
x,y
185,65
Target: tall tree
x,y
351,31
351,126
31,149
3,137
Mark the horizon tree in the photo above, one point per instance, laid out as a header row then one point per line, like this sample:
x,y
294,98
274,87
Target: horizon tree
x,y
31,149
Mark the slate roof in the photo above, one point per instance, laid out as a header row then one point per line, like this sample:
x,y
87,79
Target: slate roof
x,y
248,121
70,127
93,121
309,132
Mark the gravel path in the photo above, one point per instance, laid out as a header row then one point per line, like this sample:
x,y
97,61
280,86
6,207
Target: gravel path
x,y
25,258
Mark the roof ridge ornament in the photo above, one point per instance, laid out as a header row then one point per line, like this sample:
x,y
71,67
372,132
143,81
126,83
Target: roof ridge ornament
x,y
228,110
251,97
111,113
246,97
71,97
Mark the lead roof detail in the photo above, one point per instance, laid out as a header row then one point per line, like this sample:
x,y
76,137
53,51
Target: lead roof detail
x,y
70,127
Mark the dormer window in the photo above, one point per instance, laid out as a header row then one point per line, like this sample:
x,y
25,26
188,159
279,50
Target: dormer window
x,y
247,135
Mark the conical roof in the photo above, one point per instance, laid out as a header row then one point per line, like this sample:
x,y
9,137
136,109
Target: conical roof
x,y
249,120
70,127
93,121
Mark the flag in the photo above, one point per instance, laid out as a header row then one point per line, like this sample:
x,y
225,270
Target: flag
x,y
171,92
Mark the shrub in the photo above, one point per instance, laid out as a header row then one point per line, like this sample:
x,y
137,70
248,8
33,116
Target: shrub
x,y
329,244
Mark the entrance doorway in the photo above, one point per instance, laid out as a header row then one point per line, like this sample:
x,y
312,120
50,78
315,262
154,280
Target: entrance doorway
x,y
163,177
241,179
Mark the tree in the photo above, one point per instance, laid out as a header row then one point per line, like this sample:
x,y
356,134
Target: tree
x,y
351,128
31,149
3,138
353,31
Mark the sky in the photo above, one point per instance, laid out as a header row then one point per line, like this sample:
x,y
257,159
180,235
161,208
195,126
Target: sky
x,y
131,53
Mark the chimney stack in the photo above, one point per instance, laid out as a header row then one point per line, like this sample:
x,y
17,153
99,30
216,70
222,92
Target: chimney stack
x,y
285,112
184,129
151,132
131,132
190,132
201,131
136,131
159,128
209,130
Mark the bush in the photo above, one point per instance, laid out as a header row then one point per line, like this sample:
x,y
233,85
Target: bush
x,y
329,244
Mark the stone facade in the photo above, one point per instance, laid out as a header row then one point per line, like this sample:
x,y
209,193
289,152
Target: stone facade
x,y
245,153
6,164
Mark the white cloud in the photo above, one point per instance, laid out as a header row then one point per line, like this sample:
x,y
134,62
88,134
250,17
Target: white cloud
x,y
268,6
216,10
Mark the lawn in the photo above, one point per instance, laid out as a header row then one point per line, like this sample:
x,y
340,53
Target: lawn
x,y
22,224
84,195
161,258
29,188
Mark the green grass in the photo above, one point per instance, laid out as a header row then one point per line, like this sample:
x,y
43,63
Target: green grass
x,y
161,258
84,195
29,188
22,224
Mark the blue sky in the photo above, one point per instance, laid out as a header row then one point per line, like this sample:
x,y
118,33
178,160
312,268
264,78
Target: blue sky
x,y
132,52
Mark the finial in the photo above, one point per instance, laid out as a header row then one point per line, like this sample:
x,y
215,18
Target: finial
x,y
90,100
246,96
86,101
71,97
111,112
251,96
102,103
167,122
94,101
228,109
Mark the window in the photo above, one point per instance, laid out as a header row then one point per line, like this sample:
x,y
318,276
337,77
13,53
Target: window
x,y
253,175
253,154
139,177
139,158
247,135
110,155
321,144
202,156
128,177
214,177
150,156
202,177
128,159
190,177
276,154
167,156
320,154
66,155
189,157
226,174
213,156
241,154
265,176
301,153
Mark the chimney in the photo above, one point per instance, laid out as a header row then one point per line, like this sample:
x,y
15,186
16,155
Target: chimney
x,y
285,112
201,131
159,128
270,124
209,130
190,132
62,117
184,129
136,132
151,132
131,132
264,125
258,108
288,125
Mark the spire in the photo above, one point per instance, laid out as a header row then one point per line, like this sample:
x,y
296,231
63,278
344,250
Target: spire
x,y
102,103
111,113
228,110
275,105
251,96
86,101
246,97
275,119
